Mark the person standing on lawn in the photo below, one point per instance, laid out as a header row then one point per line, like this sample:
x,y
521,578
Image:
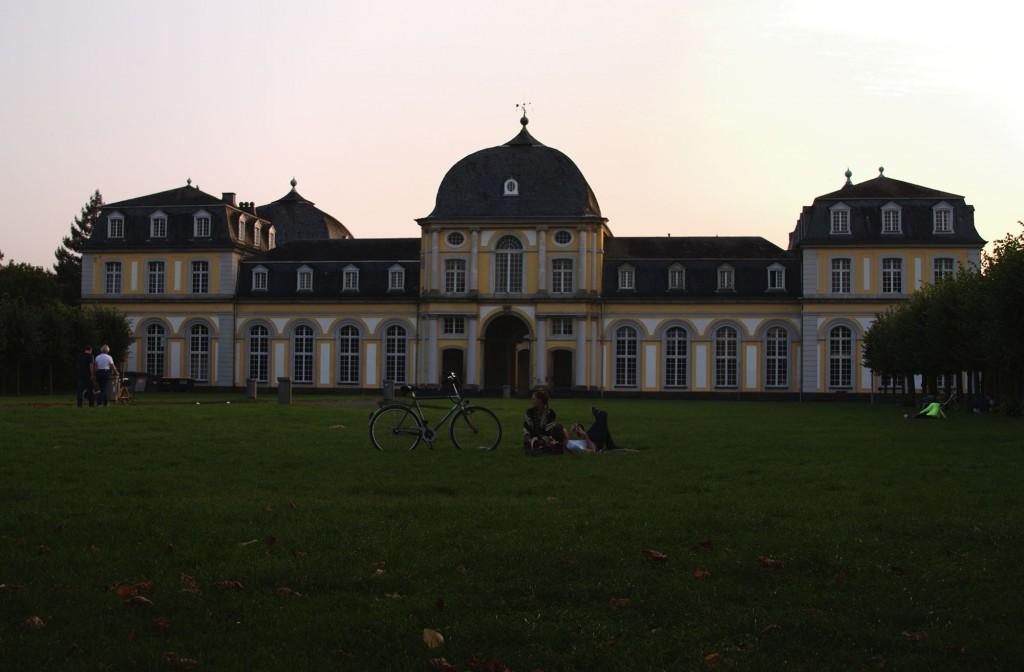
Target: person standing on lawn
x,y
85,376
106,373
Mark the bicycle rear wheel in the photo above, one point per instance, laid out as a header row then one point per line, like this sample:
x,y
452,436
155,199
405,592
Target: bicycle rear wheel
x,y
475,428
394,428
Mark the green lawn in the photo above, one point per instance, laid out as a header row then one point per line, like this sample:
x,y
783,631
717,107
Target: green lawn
x,y
901,543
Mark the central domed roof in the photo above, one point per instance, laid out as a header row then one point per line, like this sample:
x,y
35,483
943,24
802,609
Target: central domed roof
x,y
547,182
296,218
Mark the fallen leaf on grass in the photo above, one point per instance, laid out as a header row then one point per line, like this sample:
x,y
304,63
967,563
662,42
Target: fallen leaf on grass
x,y
915,636
33,623
713,658
138,601
432,638
188,584
250,542
229,585
268,508
442,665
287,592
551,500
769,562
176,662
336,427
393,596
378,572
299,554
701,574
293,504
620,602
656,556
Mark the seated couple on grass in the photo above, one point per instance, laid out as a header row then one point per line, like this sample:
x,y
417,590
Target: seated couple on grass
x,y
543,435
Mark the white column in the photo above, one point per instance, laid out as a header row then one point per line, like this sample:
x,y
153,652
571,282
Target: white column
x,y
325,363
177,276
581,352
435,262
581,270
650,365
471,374
750,365
594,262
917,273
370,379
866,282
542,355
135,275
278,361
432,352
542,259
593,352
700,354
474,285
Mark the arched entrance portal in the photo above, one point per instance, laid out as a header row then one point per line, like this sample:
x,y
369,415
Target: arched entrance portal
x,y
507,353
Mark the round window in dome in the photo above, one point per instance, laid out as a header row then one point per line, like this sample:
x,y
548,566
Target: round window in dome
x,y
563,237
456,238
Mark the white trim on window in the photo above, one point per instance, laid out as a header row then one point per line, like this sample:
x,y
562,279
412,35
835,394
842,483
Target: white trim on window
x,y
158,225
511,187
453,325
726,278
777,278
839,219
562,326
350,278
562,275
260,277
562,237
396,278
115,225
627,277
942,219
202,224
677,277
455,239
241,229
892,219
271,238
304,279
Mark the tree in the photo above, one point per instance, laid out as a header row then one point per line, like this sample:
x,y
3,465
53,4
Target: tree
x,y
34,285
69,255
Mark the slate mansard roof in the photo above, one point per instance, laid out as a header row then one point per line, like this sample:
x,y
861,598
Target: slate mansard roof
x,y
866,200
180,206
372,257
296,218
550,185
652,257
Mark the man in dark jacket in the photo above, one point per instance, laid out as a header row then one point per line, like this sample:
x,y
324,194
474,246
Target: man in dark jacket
x,y
85,376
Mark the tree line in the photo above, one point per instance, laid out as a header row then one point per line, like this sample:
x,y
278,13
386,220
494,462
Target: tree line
x,y
968,329
43,327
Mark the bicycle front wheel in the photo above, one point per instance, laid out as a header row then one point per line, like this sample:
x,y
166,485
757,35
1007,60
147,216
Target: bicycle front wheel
x,y
475,428
394,428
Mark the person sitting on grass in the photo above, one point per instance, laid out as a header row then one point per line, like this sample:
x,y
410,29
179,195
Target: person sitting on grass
x,y
538,426
931,411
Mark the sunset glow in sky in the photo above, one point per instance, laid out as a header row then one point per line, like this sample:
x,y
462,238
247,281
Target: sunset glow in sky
x,y
691,118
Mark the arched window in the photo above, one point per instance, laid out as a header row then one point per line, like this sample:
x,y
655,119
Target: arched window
x,y
776,358
511,187
840,358
676,357
348,355
156,348
395,354
302,351
508,265
199,353
259,354
726,356
625,357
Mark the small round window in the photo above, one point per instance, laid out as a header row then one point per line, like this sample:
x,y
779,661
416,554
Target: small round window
x,y
563,237
455,238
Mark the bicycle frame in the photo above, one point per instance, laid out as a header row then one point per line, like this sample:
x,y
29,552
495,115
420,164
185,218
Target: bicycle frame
x,y
458,403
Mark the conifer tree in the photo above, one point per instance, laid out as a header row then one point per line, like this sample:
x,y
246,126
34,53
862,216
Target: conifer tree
x,y
69,255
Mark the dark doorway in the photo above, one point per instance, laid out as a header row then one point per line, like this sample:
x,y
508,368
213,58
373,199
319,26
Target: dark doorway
x,y
451,362
561,369
507,353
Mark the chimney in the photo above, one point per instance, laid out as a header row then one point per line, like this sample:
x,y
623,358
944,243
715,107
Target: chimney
x,y
228,197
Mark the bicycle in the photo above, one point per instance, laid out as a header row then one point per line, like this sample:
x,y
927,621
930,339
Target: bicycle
x,y
398,426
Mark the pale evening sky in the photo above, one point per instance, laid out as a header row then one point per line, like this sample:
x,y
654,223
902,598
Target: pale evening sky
x,y
695,118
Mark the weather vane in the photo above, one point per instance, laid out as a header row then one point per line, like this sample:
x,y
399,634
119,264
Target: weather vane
x,y
522,106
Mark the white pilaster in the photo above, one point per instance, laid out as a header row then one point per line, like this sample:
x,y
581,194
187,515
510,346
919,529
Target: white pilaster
x,y
474,285
542,355
278,361
650,364
867,274
700,354
542,259
177,276
581,265
325,363
581,353
918,280
750,364
135,276
471,371
371,365
432,352
595,262
435,261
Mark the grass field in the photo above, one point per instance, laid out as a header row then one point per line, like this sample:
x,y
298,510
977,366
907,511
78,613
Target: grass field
x,y
827,537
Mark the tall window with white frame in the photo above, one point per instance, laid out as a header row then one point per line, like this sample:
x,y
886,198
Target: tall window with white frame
x,y
776,357
840,358
627,278
625,356
158,226
113,277
455,275
303,344
726,357
395,348
259,353
305,280
891,220
155,277
257,233
840,221
396,279
943,268
350,279
200,277
842,271
676,351
892,275
561,326
156,348
677,277
201,226
943,220
348,355
776,278
115,226
561,276
726,279
199,353
241,229
259,280
508,266
453,325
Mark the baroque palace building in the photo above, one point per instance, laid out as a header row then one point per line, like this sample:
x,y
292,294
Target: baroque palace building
x,y
516,279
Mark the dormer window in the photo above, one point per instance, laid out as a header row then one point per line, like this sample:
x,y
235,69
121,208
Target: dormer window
x,y
676,277
271,239
304,280
158,225
511,187
942,218
201,225
726,279
891,219
241,228
627,278
259,279
840,217
257,233
776,277
115,226
396,279
350,279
